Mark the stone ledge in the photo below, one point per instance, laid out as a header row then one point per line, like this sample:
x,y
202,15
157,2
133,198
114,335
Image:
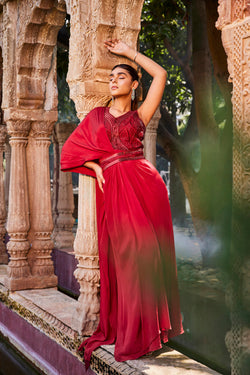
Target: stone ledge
x,y
50,312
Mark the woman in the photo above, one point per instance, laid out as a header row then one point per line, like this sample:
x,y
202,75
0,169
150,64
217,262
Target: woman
x,y
139,302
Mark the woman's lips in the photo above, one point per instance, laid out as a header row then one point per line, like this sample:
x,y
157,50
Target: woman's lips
x,y
114,87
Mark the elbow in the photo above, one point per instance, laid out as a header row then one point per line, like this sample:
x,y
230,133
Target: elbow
x,y
164,74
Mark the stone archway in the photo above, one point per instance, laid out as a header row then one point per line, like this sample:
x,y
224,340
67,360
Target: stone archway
x,y
29,104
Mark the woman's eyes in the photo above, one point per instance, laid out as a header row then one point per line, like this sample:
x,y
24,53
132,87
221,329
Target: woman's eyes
x,y
121,77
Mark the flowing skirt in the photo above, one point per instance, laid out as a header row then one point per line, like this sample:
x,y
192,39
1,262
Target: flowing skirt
x,y
139,302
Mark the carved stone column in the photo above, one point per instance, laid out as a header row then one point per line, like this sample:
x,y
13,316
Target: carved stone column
x,y
150,138
89,67
86,316
7,152
18,215
234,22
40,205
64,199
3,253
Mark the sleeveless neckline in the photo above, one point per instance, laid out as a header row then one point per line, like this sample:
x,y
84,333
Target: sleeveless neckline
x,y
120,115
124,115
125,132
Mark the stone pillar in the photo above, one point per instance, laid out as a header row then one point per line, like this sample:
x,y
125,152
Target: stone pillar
x,y
150,138
18,215
40,205
89,66
56,168
234,22
7,153
30,102
3,253
63,198
86,316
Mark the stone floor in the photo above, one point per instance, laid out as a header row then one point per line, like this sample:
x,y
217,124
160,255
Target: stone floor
x,y
50,308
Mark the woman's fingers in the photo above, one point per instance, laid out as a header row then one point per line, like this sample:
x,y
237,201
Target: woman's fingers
x,y
115,46
100,180
99,183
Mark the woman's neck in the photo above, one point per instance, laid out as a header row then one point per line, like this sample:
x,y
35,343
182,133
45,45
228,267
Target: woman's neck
x,y
121,106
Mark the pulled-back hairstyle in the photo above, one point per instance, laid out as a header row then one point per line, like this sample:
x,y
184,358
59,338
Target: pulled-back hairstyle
x,y
135,77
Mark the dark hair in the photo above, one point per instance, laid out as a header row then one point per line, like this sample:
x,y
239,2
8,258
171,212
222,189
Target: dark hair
x,y
135,77
130,70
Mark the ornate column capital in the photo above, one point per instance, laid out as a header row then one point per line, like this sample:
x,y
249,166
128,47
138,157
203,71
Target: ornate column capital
x,y
18,129
41,129
3,132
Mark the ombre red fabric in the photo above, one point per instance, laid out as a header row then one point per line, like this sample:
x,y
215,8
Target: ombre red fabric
x,y
139,299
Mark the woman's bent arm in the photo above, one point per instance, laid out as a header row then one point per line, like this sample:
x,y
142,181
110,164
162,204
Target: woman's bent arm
x,y
159,74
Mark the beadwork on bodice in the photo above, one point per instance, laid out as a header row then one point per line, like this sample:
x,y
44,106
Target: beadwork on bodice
x,y
125,132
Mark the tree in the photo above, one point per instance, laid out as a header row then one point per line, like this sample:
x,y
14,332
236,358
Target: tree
x,y
181,35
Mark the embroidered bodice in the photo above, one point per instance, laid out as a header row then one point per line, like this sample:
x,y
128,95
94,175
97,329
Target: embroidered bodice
x,y
125,132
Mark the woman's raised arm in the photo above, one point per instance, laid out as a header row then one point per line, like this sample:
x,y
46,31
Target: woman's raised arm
x,y
159,74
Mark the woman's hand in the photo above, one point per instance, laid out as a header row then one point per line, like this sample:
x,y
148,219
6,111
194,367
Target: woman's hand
x,y
119,48
99,176
98,171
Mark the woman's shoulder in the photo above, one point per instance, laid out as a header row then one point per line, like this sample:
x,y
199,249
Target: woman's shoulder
x,y
97,110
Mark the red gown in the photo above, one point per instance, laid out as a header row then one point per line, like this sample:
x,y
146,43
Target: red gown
x,y
139,299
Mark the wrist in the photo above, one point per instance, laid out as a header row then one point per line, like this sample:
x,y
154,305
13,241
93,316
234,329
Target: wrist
x,y
132,53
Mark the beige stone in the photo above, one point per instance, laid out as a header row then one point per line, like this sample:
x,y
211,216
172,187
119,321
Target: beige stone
x,y
63,199
30,110
18,211
3,253
150,138
7,152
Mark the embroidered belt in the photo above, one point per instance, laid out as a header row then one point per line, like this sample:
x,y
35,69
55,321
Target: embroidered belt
x,y
120,156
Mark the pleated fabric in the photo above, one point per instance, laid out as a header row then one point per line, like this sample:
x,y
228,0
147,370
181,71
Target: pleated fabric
x,y
139,298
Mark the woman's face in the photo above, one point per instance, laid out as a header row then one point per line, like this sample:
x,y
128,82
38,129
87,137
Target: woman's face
x,y
120,82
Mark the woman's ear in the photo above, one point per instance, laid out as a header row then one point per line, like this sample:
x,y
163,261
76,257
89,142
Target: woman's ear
x,y
135,84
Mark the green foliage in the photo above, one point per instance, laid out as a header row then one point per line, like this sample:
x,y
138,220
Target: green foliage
x,y
163,21
165,26
66,107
